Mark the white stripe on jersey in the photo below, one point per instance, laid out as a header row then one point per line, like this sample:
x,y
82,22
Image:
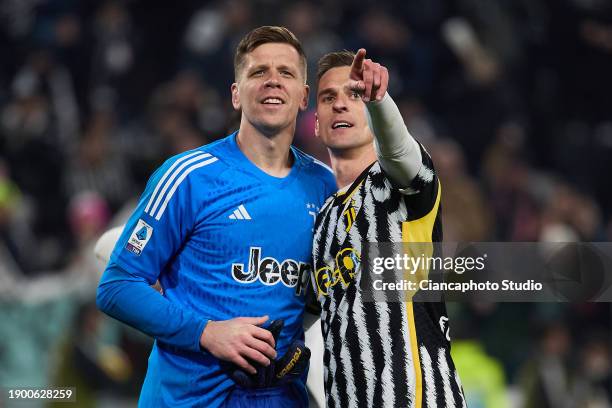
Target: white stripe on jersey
x,y
386,377
381,194
345,356
449,399
366,349
179,181
167,184
333,366
160,183
327,314
426,174
409,359
429,382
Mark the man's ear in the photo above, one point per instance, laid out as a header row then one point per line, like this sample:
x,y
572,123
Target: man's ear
x,y
316,125
304,102
235,96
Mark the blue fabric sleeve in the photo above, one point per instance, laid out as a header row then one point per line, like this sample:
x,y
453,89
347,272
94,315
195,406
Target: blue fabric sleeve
x,y
130,299
160,225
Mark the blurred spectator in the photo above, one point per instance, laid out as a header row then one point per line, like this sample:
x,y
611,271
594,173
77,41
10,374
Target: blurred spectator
x,y
594,378
44,76
466,214
210,38
89,361
98,165
34,156
13,256
547,378
89,217
409,56
510,183
482,375
306,21
113,57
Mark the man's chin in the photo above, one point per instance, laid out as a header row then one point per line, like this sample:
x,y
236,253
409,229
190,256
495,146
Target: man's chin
x,y
271,127
340,144
341,147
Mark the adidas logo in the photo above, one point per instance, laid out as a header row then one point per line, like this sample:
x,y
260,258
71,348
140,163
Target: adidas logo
x,y
240,214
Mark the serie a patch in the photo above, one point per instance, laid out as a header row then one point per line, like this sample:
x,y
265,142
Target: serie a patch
x,y
139,238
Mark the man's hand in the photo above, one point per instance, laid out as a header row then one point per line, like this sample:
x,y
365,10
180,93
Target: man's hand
x,y
284,370
368,78
239,341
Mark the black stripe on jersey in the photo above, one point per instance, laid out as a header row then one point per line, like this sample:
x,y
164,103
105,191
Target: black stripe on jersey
x,y
427,320
340,374
457,392
418,183
397,319
329,377
376,344
364,223
382,227
331,403
359,371
340,197
321,243
420,204
430,336
438,382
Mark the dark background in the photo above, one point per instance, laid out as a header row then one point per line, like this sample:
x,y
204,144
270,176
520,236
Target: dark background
x,y
513,100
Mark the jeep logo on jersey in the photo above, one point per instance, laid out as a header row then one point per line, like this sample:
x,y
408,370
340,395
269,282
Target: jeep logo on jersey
x,y
270,271
346,265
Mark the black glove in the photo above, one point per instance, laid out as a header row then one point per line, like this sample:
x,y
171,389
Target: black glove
x,y
283,370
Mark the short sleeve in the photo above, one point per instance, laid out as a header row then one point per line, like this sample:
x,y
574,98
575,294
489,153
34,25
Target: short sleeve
x,y
422,193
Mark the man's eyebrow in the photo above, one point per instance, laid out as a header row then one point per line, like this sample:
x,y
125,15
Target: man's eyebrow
x,y
287,67
326,91
258,67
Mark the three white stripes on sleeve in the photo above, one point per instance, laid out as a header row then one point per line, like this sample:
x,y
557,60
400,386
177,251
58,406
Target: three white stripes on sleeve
x,y
171,180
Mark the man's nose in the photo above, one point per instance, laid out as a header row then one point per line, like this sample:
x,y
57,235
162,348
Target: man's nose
x,y
340,104
272,81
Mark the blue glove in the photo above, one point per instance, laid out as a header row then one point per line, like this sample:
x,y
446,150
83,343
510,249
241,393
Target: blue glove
x,y
289,367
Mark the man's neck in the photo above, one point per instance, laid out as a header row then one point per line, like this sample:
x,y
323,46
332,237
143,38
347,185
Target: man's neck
x,y
349,164
269,152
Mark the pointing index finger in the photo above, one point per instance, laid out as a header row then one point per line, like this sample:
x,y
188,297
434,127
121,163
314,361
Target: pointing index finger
x,y
357,65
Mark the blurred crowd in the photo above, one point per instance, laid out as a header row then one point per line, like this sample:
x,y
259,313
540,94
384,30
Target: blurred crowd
x,y
513,99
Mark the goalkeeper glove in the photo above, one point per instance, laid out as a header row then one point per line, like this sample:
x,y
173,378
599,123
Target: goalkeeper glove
x,y
281,371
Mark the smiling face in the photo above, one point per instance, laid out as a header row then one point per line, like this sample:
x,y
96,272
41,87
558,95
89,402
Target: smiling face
x,y
341,118
270,88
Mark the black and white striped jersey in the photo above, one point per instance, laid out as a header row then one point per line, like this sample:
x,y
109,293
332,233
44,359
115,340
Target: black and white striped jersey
x,y
381,354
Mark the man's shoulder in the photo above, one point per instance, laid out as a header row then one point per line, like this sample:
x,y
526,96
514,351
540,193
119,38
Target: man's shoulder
x,y
313,165
208,159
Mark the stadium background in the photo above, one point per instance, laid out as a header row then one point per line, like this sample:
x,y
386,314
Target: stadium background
x,y
513,99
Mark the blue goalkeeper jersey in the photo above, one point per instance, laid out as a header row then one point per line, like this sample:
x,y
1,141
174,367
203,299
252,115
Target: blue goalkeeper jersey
x,y
225,239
